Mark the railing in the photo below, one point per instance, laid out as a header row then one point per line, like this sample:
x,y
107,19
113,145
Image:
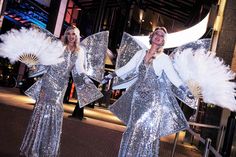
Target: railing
x,y
206,142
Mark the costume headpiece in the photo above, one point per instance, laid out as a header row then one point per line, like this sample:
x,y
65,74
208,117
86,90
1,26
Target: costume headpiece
x,y
157,29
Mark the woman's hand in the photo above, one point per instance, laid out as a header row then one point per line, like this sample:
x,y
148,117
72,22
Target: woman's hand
x,y
108,77
187,91
32,68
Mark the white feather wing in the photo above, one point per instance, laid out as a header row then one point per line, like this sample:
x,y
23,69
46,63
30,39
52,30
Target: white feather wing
x,y
16,43
211,74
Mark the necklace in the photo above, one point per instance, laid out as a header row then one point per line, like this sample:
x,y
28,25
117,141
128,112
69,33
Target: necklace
x,y
70,49
149,57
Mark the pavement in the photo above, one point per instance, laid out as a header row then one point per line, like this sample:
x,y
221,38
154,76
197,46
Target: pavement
x,y
97,136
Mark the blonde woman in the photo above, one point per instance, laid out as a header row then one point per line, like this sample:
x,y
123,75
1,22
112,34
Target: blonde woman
x,y
42,137
149,107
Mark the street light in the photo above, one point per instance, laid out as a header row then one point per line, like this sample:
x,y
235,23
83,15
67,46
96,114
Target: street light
x,y
141,20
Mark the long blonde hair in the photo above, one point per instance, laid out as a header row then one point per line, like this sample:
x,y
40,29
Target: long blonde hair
x,y
77,33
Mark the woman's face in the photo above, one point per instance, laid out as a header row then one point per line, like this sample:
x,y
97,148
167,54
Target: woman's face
x,y
158,37
71,36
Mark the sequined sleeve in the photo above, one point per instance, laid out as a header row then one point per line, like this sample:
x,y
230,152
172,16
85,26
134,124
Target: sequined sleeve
x,y
131,65
38,70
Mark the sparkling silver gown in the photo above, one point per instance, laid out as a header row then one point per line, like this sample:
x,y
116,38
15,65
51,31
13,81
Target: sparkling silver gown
x,y
150,111
42,137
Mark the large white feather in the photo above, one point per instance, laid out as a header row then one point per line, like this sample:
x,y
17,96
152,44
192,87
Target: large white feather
x,y
31,41
210,73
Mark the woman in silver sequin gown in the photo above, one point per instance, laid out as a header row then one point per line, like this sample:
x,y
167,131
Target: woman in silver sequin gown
x,y
42,137
149,107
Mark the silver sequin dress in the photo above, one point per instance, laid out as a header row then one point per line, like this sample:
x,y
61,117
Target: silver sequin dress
x,y
150,110
42,137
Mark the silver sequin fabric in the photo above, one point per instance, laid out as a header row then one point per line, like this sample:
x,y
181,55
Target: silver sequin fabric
x,y
42,137
127,50
150,111
95,47
86,93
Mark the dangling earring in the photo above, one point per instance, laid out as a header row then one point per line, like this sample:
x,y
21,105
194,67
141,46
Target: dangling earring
x,y
163,43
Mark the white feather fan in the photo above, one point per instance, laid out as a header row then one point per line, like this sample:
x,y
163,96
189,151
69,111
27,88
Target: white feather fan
x,y
31,47
209,75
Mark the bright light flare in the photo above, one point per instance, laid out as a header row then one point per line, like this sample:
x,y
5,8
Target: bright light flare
x,y
182,37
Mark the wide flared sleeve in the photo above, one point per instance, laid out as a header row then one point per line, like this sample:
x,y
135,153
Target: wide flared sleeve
x,y
127,74
164,64
95,48
129,46
86,93
130,66
38,70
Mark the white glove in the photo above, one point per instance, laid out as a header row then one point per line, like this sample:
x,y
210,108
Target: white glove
x,y
87,80
108,77
37,70
187,91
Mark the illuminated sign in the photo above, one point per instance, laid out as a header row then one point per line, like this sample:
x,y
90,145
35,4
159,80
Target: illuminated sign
x,y
44,2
